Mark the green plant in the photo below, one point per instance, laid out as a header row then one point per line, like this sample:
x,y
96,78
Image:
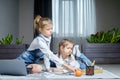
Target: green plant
x,y
19,41
110,36
7,39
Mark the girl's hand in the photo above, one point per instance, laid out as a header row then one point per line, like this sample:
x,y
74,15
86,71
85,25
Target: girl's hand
x,y
74,69
70,67
36,68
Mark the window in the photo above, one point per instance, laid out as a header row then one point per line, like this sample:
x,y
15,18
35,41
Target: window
x,y
73,18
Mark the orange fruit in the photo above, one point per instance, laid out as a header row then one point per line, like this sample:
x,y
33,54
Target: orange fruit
x,y
78,73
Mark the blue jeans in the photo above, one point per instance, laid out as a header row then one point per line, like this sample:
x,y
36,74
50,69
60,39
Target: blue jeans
x,y
84,59
31,57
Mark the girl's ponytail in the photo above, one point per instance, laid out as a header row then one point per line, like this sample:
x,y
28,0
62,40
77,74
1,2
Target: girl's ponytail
x,y
36,21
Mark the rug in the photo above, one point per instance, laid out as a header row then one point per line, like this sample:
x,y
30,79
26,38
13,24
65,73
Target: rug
x,y
106,75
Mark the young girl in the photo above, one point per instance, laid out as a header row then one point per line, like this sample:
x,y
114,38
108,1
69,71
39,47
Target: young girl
x,y
68,52
65,55
41,46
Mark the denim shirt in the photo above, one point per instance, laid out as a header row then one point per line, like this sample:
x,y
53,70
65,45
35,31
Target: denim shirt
x,y
40,46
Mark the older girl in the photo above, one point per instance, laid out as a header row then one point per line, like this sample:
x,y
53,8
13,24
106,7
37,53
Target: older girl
x,y
41,46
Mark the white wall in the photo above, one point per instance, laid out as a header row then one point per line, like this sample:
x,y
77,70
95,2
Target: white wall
x,y
16,17
26,10
8,17
107,14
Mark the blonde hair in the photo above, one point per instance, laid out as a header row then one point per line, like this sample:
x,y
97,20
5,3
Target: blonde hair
x,y
40,22
64,43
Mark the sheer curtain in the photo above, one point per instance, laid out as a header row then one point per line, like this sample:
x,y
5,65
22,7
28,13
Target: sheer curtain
x,y
72,19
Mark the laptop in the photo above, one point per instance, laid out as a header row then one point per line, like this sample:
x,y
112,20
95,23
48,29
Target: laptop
x,y
13,67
